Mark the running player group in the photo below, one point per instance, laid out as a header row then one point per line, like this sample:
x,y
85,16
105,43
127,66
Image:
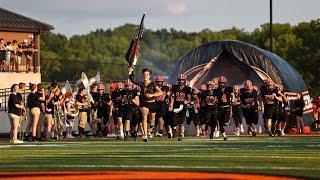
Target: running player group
x,y
157,108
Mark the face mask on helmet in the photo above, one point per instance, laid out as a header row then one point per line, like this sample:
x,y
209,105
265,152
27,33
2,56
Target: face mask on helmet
x,y
222,85
159,83
181,82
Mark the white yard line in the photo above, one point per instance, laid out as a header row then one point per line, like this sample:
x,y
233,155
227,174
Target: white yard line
x,y
238,157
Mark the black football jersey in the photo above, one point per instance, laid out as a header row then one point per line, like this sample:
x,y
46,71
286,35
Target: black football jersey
x,y
267,96
224,96
180,95
209,97
117,98
249,99
164,98
127,97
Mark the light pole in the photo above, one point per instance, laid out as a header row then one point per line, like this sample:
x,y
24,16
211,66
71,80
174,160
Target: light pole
x,y
270,27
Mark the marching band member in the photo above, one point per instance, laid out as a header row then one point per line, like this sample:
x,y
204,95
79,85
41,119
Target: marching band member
x,y
16,108
149,91
70,109
83,105
34,104
49,112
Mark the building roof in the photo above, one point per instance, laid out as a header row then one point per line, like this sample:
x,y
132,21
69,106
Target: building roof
x,y
11,21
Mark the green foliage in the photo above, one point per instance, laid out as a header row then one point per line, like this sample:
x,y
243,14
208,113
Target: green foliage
x,y
104,50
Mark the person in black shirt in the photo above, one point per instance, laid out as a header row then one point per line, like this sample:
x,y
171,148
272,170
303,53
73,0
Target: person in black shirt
x,y
130,100
94,109
162,105
298,112
34,104
16,108
83,104
118,109
236,109
269,96
249,106
104,109
41,93
224,95
180,98
210,103
149,91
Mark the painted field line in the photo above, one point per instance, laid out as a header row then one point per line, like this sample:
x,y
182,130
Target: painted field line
x,y
165,156
158,167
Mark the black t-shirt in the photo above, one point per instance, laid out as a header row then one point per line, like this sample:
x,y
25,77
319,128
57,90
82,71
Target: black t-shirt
x,y
209,97
180,95
81,99
13,100
249,98
149,89
50,105
33,100
224,96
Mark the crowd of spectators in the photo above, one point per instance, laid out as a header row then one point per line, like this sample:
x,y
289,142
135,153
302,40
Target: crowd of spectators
x,y
12,54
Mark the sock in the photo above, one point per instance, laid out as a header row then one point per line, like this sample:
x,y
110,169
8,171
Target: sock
x,y
99,127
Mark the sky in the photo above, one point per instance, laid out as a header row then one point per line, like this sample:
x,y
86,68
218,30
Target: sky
x,y
70,17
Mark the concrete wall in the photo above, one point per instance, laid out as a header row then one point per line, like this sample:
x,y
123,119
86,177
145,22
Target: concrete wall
x,y
7,79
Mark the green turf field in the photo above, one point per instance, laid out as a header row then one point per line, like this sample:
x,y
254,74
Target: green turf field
x,y
288,156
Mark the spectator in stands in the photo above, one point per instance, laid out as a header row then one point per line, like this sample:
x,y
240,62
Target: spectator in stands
x,y
15,57
9,49
2,54
30,49
16,109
